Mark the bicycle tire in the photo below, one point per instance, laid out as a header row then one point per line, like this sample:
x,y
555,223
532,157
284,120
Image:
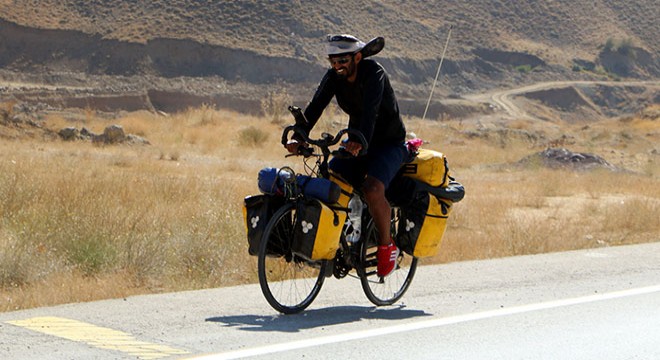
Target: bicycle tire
x,y
289,283
387,290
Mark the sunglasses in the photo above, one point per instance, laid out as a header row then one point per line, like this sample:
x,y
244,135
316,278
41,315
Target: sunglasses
x,y
340,60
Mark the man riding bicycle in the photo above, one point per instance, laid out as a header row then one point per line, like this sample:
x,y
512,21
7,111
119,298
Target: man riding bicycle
x,y
363,91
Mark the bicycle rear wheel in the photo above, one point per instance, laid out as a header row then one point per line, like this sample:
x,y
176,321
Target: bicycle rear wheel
x,y
383,291
289,282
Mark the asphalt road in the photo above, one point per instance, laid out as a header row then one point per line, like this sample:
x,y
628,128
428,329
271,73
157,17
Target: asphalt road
x,y
591,304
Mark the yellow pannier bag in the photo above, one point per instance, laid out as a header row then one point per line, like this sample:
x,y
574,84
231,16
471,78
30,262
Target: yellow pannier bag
x,y
317,230
422,225
346,189
429,166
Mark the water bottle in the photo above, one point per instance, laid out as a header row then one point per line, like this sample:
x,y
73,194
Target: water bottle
x,y
355,217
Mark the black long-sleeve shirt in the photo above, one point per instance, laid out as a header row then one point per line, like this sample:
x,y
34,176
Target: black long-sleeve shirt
x,y
369,102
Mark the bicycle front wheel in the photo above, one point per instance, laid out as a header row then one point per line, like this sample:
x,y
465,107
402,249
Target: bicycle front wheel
x,y
388,290
289,282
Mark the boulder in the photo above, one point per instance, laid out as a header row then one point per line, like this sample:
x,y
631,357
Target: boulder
x,y
564,158
113,134
69,134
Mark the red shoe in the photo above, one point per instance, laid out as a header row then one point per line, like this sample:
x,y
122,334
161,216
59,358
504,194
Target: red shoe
x,y
387,255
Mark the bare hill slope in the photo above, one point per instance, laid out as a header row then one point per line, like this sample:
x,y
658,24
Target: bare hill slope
x,y
414,29
244,45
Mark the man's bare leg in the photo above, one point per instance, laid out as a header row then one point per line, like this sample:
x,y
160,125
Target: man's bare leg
x,y
379,207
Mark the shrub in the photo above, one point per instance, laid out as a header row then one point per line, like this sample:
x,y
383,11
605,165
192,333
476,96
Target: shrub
x,y
252,136
627,48
609,45
624,47
524,68
275,105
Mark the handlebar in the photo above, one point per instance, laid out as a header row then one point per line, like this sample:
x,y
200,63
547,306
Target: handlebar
x,y
324,143
326,140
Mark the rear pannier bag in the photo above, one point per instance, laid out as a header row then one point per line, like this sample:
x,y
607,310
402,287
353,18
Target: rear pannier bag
x,y
257,211
317,229
428,166
422,225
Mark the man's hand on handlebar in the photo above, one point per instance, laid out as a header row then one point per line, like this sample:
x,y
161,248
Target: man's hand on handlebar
x,y
296,147
352,147
293,145
298,143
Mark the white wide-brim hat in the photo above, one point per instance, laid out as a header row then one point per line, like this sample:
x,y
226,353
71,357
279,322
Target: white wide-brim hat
x,y
343,44
348,44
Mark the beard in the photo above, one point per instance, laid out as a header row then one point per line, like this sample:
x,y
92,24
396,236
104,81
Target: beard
x,y
345,72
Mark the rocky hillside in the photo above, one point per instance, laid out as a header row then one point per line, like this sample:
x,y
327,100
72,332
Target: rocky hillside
x,y
245,49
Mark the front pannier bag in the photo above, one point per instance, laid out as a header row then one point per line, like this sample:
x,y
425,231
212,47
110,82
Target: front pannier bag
x,y
257,211
422,225
317,230
346,190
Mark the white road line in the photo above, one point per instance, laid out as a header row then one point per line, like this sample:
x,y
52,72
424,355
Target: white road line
x,y
275,348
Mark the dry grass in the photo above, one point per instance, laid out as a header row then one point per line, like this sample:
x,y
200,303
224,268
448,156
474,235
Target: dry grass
x,y
128,217
81,222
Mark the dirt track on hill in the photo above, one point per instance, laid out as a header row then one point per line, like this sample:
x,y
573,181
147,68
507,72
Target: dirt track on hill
x,y
504,99
557,95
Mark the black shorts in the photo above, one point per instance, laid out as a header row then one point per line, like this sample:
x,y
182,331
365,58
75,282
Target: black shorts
x,y
381,163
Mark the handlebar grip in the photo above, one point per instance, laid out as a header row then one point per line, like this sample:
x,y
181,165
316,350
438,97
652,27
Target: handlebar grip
x,y
285,134
357,133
